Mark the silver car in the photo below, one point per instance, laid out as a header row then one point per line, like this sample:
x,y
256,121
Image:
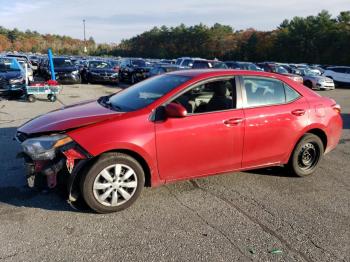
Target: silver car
x,y
316,81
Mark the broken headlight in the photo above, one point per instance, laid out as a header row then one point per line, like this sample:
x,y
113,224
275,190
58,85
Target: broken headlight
x,y
44,147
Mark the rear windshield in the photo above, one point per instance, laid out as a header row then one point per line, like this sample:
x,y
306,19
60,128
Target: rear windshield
x,y
140,63
99,64
9,64
62,62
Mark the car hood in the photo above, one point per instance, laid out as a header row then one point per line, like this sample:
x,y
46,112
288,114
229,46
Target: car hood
x,y
10,74
99,71
68,118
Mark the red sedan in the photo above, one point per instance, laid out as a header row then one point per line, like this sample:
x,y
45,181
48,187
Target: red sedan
x,y
176,126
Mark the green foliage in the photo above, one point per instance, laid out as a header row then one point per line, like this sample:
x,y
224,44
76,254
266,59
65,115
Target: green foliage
x,y
32,41
313,39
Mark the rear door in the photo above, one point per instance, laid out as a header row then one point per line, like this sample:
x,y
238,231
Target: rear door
x,y
274,115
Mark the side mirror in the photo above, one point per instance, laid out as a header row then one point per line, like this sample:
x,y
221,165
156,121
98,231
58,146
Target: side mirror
x,y
174,110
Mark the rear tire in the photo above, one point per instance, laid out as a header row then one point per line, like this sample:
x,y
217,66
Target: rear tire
x,y
113,183
306,156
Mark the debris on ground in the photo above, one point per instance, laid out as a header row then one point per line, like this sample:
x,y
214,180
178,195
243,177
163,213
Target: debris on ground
x,y
276,251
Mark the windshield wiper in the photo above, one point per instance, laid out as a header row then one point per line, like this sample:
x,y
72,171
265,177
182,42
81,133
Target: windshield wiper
x,y
104,101
112,106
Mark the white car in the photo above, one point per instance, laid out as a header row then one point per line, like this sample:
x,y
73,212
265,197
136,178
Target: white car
x,y
339,74
316,81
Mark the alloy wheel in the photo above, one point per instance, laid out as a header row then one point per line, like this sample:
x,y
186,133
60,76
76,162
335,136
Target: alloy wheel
x,y
115,185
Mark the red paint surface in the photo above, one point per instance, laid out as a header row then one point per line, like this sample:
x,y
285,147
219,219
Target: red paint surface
x,y
202,144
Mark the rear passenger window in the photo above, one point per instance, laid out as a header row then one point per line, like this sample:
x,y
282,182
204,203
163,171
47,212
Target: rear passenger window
x,y
291,94
263,91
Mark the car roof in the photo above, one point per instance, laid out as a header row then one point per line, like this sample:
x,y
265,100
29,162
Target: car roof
x,y
61,57
220,72
333,67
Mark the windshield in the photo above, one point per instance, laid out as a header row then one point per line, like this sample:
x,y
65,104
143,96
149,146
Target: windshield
x,y
220,65
62,62
114,63
145,92
307,72
138,63
99,65
250,67
9,64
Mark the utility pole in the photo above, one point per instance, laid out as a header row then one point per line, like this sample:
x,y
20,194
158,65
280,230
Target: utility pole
x,y
85,48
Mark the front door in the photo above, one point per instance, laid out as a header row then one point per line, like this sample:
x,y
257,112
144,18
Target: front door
x,y
207,141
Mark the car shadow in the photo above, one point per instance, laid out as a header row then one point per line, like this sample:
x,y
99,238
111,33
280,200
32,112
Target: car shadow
x,y
13,188
346,121
271,171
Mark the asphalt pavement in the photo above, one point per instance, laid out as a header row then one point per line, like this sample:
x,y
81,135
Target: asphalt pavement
x,y
261,215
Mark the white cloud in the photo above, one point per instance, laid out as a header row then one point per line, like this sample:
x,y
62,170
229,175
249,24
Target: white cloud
x,y
111,21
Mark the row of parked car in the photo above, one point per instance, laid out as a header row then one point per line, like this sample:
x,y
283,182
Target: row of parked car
x,y
71,70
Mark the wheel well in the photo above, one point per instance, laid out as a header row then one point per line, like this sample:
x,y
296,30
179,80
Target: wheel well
x,y
75,189
142,162
321,134
307,82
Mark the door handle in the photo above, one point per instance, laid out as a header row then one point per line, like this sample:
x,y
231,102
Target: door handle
x,y
298,112
233,121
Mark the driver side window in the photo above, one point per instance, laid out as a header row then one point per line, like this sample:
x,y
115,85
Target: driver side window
x,y
218,95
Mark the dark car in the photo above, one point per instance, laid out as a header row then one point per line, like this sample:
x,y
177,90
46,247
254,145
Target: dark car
x,y
66,72
242,65
115,64
12,77
162,69
99,72
34,60
207,64
133,70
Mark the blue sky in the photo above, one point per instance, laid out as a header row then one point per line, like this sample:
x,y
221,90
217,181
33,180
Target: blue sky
x,y
113,20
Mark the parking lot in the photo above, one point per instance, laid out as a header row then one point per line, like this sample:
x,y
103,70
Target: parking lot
x,y
237,217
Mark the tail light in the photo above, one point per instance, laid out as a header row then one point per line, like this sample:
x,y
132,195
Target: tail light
x,y
337,108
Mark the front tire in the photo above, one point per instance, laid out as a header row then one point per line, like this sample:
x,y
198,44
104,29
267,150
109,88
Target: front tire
x,y
113,183
51,97
306,156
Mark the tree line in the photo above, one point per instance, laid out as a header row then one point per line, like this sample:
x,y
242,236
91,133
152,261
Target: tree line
x,y
320,39
32,41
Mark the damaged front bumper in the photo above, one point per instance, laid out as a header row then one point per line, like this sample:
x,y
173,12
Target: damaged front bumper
x,y
42,173
67,162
